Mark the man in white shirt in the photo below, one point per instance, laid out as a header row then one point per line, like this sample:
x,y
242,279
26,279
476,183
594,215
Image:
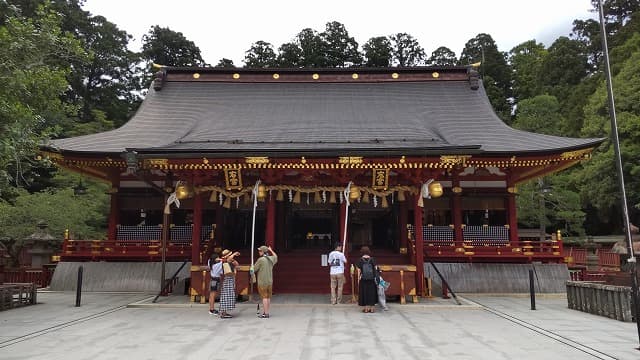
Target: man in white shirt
x,y
337,262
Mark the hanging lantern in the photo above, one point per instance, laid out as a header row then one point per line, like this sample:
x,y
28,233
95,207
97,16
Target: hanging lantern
x,y
401,195
332,198
296,198
279,196
184,190
262,192
435,189
213,197
354,193
317,198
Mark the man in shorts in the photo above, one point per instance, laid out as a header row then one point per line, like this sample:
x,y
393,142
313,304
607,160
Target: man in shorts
x,y
215,266
264,270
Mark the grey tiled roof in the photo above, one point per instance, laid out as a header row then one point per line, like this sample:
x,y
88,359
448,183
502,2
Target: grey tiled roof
x,y
225,117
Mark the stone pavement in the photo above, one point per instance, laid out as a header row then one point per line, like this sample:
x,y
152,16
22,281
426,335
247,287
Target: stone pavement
x,y
128,326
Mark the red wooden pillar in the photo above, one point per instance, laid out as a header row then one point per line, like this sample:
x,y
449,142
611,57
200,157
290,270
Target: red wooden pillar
x,y
402,223
196,231
513,220
218,234
418,213
270,227
114,211
456,208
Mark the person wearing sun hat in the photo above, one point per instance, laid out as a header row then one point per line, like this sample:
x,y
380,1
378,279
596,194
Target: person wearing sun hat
x,y
264,270
228,293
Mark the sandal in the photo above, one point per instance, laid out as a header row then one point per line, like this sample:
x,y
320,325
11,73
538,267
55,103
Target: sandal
x,y
226,316
264,316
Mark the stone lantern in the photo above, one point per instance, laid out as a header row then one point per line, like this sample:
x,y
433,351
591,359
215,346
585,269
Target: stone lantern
x,y
40,245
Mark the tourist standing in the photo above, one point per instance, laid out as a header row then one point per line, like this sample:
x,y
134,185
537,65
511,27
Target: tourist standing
x,y
215,268
264,270
367,290
228,293
337,262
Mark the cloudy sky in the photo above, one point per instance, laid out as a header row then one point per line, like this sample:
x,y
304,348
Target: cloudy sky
x,y
228,28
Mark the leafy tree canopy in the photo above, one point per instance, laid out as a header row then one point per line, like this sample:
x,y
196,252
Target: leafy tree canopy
x,y
442,56
32,84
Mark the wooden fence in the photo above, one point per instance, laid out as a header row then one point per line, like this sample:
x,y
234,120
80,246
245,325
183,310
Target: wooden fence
x,y
41,277
16,295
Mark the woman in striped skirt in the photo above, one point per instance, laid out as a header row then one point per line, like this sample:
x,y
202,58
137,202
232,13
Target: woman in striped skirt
x,y
228,293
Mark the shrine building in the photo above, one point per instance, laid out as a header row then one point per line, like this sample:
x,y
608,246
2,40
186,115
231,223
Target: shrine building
x,y
357,156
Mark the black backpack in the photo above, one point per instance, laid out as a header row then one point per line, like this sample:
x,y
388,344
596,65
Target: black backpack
x,y
367,270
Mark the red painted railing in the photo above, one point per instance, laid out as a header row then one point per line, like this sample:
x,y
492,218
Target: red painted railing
x,y
144,250
41,276
608,260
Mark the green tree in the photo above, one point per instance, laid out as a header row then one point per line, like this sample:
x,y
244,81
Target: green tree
x,y
526,59
32,84
84,216
341,50
495,71
167,47
442,56
225,63
289,55
598,176
260,55
109,82
540,114
551,203
312,51
406,50
563,68
377,52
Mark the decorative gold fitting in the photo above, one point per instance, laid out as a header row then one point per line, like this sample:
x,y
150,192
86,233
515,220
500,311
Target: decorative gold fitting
x,y
196,75
276,76
354,76
236,76
315,76
395,75
456,189
435,75
354,193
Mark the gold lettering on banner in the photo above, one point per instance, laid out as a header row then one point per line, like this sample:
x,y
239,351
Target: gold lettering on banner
x,y
452,160
156,162
380,179
350,159
257,160
233,179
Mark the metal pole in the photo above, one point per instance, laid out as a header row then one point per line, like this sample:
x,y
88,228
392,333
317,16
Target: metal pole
x,y
618,159
532,291
79,287
163,244
346,216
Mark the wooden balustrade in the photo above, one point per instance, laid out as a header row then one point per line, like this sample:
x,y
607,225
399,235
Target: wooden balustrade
x,y
41,277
